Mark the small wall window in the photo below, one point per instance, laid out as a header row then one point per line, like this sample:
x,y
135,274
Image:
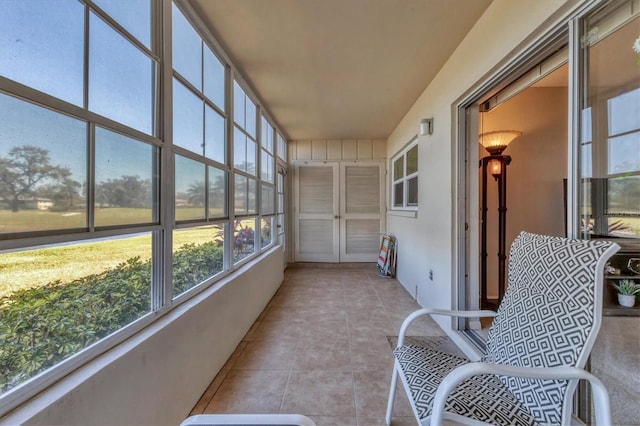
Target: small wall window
x,y
404,175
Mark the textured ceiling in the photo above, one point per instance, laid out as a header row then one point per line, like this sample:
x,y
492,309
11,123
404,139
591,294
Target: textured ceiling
x,y
339,69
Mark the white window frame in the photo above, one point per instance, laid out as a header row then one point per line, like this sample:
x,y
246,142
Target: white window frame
x,y
404,179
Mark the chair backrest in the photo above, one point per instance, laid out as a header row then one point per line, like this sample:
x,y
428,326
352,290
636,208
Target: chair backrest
x,y
549,316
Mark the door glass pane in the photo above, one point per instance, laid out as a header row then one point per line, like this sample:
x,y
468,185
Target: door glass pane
x,y
124,180
190,189
610,127
41,39
133,15
126,96
43,168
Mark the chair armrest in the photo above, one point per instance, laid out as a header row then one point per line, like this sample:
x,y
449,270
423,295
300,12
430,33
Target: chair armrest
x,y
434,311
463,372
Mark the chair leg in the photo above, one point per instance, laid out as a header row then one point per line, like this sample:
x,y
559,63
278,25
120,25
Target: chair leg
x,y
392,394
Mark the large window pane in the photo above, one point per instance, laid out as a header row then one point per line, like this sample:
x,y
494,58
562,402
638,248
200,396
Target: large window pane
x,y
252,158
398,168
238,105
243,238
187,49
187,119
213,78
43,168
398,194
624,112
266,166
42,46
124,180
412,160
266,231
267,135
217,193
59,300
190,189
412,192
252,197
133,15
624,153
197,256
240,194
267,200
214,146
240,150
282,148
121,78
250,109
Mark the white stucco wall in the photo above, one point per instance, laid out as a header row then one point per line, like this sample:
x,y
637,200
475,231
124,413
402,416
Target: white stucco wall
x,y
156,377
505,29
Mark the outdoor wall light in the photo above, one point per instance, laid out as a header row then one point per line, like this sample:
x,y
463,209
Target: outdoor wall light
x,y
426,126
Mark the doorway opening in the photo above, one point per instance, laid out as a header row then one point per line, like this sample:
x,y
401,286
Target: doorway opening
x,y
519,186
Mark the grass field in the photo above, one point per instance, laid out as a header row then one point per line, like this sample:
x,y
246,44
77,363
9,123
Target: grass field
x,y
32,268
38,220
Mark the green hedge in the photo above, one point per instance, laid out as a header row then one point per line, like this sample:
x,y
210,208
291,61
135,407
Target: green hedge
x,y
42,326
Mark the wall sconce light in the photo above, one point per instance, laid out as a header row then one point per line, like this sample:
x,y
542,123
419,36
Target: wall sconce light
x,y
426,126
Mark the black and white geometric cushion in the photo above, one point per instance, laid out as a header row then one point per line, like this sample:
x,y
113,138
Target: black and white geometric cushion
x,y
546,315
483,398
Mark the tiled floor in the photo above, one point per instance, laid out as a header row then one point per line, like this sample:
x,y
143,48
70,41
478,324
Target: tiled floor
x,y
320,349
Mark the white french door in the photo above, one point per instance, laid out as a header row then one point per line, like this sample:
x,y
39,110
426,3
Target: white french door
x,y
338,211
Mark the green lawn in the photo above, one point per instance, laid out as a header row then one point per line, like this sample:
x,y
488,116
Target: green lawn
x,y
32,268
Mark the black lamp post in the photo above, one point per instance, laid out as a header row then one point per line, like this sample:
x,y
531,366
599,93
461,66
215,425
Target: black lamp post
x,y
496,164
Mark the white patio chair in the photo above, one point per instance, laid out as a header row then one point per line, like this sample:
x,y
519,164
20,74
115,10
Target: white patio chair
x,y
537,346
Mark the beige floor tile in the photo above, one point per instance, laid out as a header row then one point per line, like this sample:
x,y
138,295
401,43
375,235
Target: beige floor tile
x,y
250,391
267,355
320,393
371,354
323,354
284,329
334,421
372,393
321,349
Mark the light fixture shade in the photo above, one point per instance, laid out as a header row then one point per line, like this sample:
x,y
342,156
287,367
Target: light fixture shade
x,y
496,142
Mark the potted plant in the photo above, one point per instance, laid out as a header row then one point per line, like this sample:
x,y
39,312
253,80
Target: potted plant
x,y
627,290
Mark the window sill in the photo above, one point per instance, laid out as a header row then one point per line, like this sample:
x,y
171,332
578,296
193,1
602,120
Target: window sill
x,y
403,213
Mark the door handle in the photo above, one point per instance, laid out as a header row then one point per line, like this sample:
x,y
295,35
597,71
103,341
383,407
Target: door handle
x,y
336,217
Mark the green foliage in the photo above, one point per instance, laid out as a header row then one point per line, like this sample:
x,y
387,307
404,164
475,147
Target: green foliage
x,y
628,287
39,327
